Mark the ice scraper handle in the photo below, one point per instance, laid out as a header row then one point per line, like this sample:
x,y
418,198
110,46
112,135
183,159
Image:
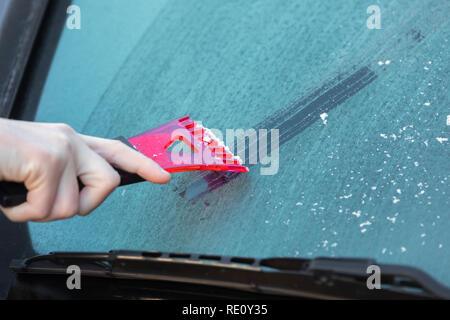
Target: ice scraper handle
x,y
15,193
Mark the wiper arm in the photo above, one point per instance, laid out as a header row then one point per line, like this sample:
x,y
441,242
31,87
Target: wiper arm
x,y
292,277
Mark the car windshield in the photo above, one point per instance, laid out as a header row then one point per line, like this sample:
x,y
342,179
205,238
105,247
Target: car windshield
x,y
357,89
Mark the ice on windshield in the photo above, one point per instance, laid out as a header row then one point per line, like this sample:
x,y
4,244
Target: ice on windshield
x,y
363,119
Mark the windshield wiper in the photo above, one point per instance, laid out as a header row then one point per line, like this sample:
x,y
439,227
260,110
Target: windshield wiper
x,y
288,277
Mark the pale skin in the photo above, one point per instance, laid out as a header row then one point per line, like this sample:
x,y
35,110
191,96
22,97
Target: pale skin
x,y
49,158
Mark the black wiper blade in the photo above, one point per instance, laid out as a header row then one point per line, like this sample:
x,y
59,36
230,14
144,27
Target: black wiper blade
x,y
292,277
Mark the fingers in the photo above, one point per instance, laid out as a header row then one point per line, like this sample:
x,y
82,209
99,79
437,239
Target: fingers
x,y
99,180
67,200
122,156
40,199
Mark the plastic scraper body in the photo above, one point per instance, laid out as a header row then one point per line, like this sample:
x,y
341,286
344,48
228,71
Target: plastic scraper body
x,y
208,153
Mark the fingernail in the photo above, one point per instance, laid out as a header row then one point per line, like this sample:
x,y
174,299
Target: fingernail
x,y
164,171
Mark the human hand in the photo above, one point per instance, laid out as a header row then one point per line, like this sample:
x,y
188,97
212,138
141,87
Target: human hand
x,y
49,159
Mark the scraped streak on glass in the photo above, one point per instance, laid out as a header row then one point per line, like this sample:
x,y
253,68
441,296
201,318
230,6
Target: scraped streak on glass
x,y
304,112
292,121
